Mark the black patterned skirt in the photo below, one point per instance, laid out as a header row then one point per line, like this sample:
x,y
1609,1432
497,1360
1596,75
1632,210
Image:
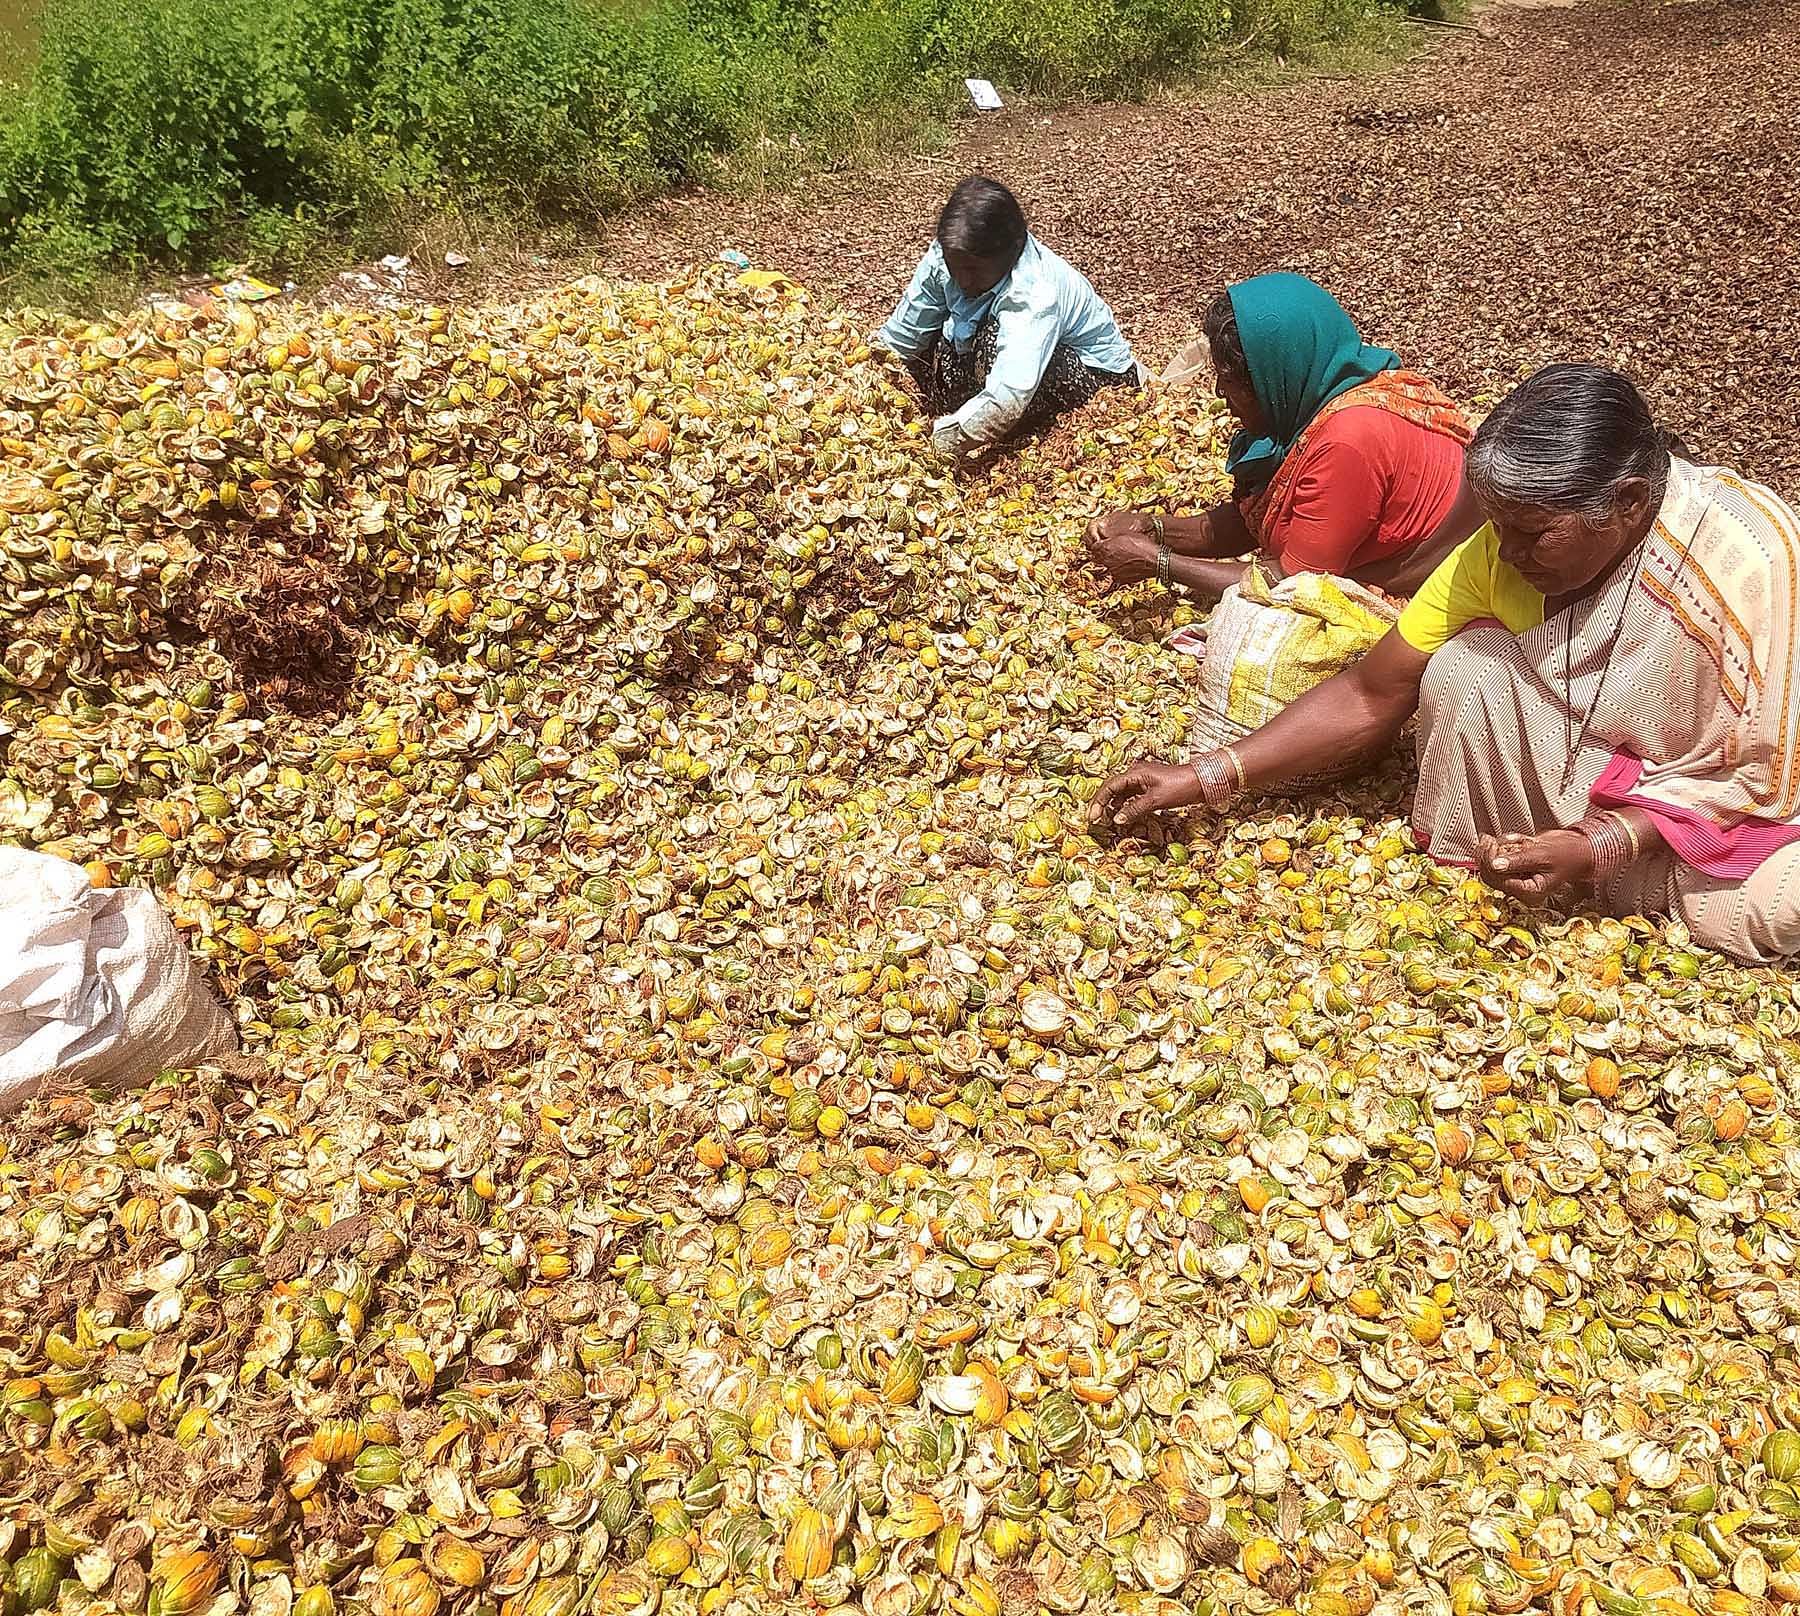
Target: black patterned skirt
x,y
949,379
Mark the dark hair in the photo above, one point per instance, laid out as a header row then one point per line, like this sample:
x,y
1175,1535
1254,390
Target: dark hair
x,y
1222,338
984,220
1567,439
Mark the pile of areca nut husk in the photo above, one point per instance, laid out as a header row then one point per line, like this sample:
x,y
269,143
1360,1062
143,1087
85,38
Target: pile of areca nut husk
x,y
715,1133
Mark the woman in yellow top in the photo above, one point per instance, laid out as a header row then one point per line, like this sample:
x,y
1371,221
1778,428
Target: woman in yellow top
x,y
1607,678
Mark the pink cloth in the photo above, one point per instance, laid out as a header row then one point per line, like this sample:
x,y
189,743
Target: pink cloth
x,y
1731,852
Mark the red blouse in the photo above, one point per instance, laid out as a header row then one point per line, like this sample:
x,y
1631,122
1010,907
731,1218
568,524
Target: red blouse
x,y
1370,484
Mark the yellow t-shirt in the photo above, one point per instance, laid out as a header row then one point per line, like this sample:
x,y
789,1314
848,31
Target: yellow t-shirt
x,y
1471,582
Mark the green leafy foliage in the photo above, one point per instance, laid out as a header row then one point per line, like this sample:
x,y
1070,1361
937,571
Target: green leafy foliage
x,y
179,129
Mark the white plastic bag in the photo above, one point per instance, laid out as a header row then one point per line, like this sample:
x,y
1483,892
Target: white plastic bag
x,y
96,988
1192,367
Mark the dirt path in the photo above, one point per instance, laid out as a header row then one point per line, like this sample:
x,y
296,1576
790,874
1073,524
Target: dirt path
x,y
1615,182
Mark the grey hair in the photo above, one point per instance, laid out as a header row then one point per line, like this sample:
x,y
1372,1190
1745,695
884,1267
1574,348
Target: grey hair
x,y
1225,341
1567,439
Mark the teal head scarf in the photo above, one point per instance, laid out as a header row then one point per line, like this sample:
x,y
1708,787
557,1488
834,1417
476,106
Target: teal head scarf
x,y
1302,351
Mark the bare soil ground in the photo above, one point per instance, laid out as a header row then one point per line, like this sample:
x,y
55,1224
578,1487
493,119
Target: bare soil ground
x,y
1614,182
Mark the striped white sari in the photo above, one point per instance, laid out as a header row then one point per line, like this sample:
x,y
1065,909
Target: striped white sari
x,y
1674,688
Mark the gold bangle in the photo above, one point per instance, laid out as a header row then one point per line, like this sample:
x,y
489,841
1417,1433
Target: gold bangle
x,y
1237,767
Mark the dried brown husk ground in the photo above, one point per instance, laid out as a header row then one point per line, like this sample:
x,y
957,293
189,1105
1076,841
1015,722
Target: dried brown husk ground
x,y
1606,182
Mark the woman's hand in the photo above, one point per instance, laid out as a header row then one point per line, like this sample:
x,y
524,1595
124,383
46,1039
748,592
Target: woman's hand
x,y
1128,799
1536,869
949,443
1124,543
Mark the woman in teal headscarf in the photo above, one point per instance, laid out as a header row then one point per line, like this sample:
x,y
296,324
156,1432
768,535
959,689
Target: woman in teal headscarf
x,y
1343,463
1347,491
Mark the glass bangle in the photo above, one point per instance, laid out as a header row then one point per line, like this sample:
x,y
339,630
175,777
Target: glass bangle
x,y
1220,776
1612,843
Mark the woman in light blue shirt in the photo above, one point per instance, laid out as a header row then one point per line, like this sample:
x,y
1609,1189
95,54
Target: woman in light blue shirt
x,y
1000,333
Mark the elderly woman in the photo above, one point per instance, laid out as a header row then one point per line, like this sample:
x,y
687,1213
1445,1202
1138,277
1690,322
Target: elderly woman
x,y
1607,678
1000,334
1343,463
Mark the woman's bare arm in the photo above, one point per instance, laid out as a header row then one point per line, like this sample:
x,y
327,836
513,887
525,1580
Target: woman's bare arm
x,y
1216,534
1205,577
1124,543
1349,715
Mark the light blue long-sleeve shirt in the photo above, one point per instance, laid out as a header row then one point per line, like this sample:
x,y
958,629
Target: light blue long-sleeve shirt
x,y
1042,303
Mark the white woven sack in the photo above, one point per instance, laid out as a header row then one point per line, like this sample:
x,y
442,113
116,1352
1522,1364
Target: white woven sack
x,y
1237,627
1244,633
96,988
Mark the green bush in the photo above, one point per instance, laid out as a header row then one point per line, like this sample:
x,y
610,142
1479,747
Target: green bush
x,y
157,126
183,129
